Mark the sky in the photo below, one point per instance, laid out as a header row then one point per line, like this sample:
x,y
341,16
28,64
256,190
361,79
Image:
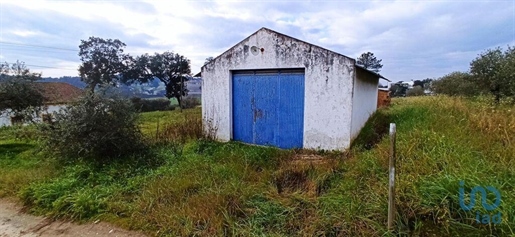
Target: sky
x,y
415,39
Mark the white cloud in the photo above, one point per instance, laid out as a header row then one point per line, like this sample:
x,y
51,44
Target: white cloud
x,y
25,33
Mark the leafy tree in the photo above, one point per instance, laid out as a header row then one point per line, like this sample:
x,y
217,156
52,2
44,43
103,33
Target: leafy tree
x,y
456,84
415,91
370,62
103,61
170,68
19,97
426,83
393,89
398,89
208,59
418,83
495,71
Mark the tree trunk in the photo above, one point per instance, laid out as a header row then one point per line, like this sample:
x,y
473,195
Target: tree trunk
x,y
180,102
91,87
497,94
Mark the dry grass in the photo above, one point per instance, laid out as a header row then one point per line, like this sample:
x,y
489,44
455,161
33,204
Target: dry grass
x,y
189,129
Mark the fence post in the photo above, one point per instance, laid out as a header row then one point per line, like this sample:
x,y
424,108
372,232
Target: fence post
x,y
391,184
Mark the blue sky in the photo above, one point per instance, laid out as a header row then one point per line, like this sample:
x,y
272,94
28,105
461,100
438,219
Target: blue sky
x,y
415,39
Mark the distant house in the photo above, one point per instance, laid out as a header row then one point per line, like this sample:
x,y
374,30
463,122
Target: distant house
x,y
58,93
272,89
56,96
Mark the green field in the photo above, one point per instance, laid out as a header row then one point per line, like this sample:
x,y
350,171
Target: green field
x,y
189,186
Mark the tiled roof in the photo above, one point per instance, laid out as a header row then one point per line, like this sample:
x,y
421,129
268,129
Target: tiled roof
x,y
58,92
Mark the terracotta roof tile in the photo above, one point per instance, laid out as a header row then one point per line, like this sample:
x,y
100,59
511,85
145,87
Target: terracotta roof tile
x,y
58,92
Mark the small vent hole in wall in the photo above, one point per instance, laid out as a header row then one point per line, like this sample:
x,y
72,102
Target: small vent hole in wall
x,y
254,50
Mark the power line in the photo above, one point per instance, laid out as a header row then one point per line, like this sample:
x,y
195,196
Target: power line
x,y
37,46
16,48
32,65
51,67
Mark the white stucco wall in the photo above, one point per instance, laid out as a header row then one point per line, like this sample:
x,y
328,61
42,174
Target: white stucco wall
x,y
329,79
364,101
5,120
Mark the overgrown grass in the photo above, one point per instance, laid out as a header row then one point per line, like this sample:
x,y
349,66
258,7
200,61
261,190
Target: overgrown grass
x,y
20,162
154,122
440,141
201,187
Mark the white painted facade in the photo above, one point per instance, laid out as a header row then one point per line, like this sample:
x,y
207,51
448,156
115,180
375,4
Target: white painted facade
x,y
364,102
5,120
337,100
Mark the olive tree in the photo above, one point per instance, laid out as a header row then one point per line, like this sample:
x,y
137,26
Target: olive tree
x,y
170,68
103,62
96,127
494,70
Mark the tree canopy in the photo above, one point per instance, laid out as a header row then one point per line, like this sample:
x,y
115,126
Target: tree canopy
x,y
494,70
18,95
456,84
370,62
170,68
208,60
103,61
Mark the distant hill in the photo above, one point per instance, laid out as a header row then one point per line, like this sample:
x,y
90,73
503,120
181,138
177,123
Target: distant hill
x,y
74,81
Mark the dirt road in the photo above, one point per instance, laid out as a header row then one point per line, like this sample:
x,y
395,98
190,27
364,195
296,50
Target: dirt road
x,y
14,223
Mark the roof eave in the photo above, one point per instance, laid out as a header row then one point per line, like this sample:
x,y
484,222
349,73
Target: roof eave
x,y
372,72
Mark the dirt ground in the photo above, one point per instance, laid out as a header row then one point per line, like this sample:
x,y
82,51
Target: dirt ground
x,y
15,223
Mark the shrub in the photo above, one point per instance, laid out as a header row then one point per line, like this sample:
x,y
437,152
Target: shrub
x,y
493,70
96,128
415,91
149,105
457,84
20,99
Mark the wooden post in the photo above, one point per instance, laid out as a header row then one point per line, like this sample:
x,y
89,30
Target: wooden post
x,y
391,184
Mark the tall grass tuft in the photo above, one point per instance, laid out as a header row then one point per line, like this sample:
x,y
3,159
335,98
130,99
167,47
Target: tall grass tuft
x,y
188,129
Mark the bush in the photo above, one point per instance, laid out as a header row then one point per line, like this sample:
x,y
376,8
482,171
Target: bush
x,y
457,84
149,105
493,70
190,102
415,91
96,128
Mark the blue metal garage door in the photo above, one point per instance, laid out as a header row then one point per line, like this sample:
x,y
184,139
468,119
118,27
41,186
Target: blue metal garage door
x,y
268,107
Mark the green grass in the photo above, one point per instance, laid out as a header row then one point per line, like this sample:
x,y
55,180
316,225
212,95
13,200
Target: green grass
x,y
190,186
20,162
153,122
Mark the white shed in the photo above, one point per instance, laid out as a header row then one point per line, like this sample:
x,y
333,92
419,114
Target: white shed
x,y
275,90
